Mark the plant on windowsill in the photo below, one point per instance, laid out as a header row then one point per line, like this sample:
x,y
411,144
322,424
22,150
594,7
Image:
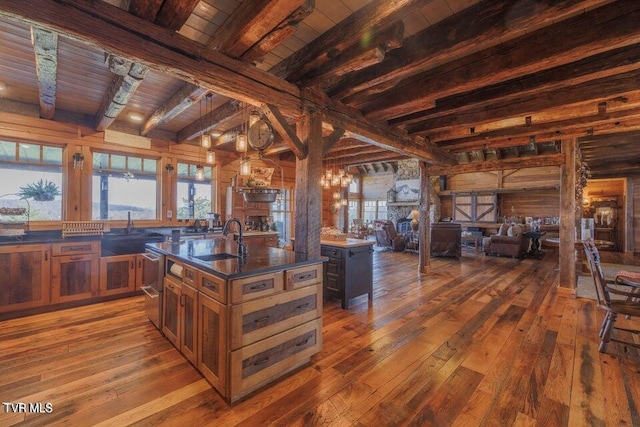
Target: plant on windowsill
x,y
42,191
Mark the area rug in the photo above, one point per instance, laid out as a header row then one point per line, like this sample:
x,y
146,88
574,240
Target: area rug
x,y
586,288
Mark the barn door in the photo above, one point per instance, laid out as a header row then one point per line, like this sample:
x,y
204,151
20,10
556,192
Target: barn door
x,y
475,207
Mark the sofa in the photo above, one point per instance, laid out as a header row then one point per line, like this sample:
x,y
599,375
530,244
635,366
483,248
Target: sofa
x,y
510,241
446,239
387,236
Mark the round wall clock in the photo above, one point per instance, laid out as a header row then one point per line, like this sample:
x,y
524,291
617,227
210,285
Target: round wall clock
x,y
260,135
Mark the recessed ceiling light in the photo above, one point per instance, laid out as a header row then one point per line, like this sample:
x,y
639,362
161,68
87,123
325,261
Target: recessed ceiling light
x,y
135,116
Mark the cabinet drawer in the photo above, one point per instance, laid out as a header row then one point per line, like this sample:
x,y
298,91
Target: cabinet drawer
x,y
190,275
213,286
259,363
73,248
331,252
253,287
303,276
259,319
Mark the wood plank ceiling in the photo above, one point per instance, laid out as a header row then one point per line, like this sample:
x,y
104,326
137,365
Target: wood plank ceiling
x,y
446,81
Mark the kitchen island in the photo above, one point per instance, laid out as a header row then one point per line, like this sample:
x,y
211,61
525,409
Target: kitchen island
x,y
242,322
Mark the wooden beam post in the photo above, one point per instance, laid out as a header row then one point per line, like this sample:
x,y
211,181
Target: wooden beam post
x,y
568,218
424,235
308,192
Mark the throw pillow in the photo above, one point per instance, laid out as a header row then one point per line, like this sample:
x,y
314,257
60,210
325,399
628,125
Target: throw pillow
x,y
514,230
503,230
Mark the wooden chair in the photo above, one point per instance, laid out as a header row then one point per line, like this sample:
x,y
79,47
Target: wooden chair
x,y
628,307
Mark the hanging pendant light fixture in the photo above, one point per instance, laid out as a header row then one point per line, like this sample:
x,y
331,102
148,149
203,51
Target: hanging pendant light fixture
x,y
245,166
211,157
199,173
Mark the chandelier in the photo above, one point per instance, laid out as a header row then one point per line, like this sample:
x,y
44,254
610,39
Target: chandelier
x,y
335,178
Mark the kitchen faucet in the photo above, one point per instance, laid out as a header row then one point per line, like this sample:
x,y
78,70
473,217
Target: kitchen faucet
x,y
242,248
129,223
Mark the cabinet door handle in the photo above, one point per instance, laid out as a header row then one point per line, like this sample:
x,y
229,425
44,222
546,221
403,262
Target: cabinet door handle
x,y
300,344
258,287
182,300
46,255
301,306
132,266
261,361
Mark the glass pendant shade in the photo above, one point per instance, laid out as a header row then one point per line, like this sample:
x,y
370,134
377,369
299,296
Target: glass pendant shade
x,y
199,173
205,140
245,166
253,118
329,174
241,143
211,157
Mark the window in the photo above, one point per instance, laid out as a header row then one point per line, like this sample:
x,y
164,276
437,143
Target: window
x,y
281,213
123,184
354,209
31,165
375,209
193,197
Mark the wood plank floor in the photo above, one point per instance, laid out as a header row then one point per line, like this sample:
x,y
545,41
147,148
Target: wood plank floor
x,y
480,341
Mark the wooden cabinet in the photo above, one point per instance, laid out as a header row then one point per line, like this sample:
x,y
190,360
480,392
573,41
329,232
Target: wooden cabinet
x,y
247,331
180,321
348,273
270,240
74,271
26,273
117,274
212,345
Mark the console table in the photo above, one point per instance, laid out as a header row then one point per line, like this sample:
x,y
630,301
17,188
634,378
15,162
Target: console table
x,y
535,236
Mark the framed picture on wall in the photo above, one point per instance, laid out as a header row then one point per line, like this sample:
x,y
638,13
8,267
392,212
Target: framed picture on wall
x,y
408,190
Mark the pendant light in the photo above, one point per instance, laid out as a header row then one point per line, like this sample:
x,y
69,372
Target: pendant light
x,y
199,173
211,157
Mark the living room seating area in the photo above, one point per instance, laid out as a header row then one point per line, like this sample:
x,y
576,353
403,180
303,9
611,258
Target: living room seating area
x,y
510,241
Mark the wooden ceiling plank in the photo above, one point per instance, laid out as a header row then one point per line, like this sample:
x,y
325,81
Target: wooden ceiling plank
x,y
288,134
249,23
179,102
483,27
45,47
283,31
342,154
349,31
217,117
117,96
513,163
356,57
174,13
565,43
330,141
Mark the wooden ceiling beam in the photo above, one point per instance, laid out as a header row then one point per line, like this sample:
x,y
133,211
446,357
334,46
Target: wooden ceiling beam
x,y
345,154
283,31
145,9
288,134
219,116
513,163
45,47
356,57
571,53
330,141
516,135
368,158
592,91
357,26
174,13
476,27
249,23
117,96
185,97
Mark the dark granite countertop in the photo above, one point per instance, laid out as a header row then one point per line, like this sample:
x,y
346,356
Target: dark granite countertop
x,y
260,259
43,237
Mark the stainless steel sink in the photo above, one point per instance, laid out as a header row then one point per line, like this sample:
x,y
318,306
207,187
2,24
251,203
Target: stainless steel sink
x,y
214,257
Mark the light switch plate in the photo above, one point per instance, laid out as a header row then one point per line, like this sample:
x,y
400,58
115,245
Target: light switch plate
x,y
169,214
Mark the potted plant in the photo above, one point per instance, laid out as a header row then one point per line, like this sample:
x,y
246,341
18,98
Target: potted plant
x,y
43,190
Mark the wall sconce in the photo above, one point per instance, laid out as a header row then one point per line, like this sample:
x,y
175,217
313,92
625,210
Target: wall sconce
x,y
78,160
211,157
169,168
199,173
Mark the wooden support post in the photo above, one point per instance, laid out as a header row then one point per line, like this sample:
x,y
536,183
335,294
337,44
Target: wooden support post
x,y
308,191
424,234
568,218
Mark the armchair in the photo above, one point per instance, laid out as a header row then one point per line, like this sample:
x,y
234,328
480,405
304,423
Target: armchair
x,y
446,239
510,241
387,236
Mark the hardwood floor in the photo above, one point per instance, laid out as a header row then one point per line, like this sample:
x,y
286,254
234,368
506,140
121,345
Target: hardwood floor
x,y
480,341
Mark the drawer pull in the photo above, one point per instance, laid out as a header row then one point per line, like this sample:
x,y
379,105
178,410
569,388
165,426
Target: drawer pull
x,y
306,276
258,287
76,258
300,344
262,319
301,306
77,248
261,361
211,285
